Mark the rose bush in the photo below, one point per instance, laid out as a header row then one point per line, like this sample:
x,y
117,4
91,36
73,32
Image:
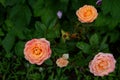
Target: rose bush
x,y
32,30
36,51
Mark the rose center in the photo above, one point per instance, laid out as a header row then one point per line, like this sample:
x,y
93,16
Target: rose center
x,y
37,51
87,13
103,65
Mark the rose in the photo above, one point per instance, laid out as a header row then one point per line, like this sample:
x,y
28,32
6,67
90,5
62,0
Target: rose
x,y
65,56
102,64
62,62
36,51
87,14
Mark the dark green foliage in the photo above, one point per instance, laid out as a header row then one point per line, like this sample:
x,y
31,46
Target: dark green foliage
x,y
23,20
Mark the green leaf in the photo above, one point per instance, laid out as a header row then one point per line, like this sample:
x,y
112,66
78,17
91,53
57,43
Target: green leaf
x,y
19,32
75,4
6,3
48,16
2,2
8,55
79,57
53,32
8,25
60,48
51,77
34,76
103,45
52,23
106,22
1,32
115,11
112,23
40,26
114,36
84,47
40,29
22,13
10,2
0,41
19,48
94,40
37,6
64,4
100,21
8,41
106,6
2,14
49,62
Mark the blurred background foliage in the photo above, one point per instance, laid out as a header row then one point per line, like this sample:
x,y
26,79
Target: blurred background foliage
x,y
22,20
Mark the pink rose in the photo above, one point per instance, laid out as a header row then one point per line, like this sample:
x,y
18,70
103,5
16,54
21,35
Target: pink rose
x,y
87,14
102,64
36,51
62,62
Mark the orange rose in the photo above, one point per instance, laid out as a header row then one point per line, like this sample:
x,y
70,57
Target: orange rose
x,y
102,64
87,14
36,51
62,62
